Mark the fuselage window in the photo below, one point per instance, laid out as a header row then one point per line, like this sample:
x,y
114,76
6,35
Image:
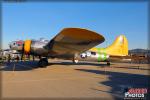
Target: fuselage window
x,y
93,53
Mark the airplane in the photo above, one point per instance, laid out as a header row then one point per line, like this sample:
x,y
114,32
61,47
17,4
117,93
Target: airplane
x,y
68,44
71,43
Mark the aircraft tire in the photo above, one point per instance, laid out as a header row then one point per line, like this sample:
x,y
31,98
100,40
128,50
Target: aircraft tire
x,y
75,61
108,63
43,63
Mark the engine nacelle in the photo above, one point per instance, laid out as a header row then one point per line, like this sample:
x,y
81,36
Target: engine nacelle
x,y
27,46
35,47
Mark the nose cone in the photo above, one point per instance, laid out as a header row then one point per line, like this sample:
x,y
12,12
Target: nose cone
x,y
15,45
11,46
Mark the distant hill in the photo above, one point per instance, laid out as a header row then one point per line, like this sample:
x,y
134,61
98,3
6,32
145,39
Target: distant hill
x,y
139,51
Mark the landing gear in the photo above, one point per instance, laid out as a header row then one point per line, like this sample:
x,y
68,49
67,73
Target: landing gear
x,y
108,63
75,60
43,62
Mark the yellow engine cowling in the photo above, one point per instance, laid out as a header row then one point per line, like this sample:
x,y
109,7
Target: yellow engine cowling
x,y
27,46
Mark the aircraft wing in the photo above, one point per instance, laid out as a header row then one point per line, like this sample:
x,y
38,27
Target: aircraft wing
x,y
74,41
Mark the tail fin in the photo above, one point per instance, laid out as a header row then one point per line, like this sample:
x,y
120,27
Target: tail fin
x,y
119,47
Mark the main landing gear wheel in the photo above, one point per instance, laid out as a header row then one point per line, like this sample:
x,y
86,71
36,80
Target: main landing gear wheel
x,y
43,62
108,63
75,60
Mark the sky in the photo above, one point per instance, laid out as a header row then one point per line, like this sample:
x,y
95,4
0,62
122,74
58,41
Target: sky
x,y
33,20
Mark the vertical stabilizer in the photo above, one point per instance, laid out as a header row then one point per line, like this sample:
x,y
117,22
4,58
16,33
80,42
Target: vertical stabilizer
x,y
119,47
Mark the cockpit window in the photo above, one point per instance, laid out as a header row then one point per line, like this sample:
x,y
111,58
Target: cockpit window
x,y
14,43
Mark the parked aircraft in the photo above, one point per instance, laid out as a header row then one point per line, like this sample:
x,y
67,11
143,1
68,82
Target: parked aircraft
x,y
72,43
68,44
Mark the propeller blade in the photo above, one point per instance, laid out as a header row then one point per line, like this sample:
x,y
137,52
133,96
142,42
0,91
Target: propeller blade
x,y
22,53
29,57
33,58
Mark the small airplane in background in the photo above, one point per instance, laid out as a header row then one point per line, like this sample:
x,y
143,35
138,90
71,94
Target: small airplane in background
x,y
74,44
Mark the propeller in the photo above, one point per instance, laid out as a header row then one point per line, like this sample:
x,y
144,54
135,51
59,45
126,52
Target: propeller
x,y
33,57
25,50
22,52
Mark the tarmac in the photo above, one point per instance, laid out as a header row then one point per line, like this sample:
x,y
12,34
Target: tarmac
x,y
63,79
